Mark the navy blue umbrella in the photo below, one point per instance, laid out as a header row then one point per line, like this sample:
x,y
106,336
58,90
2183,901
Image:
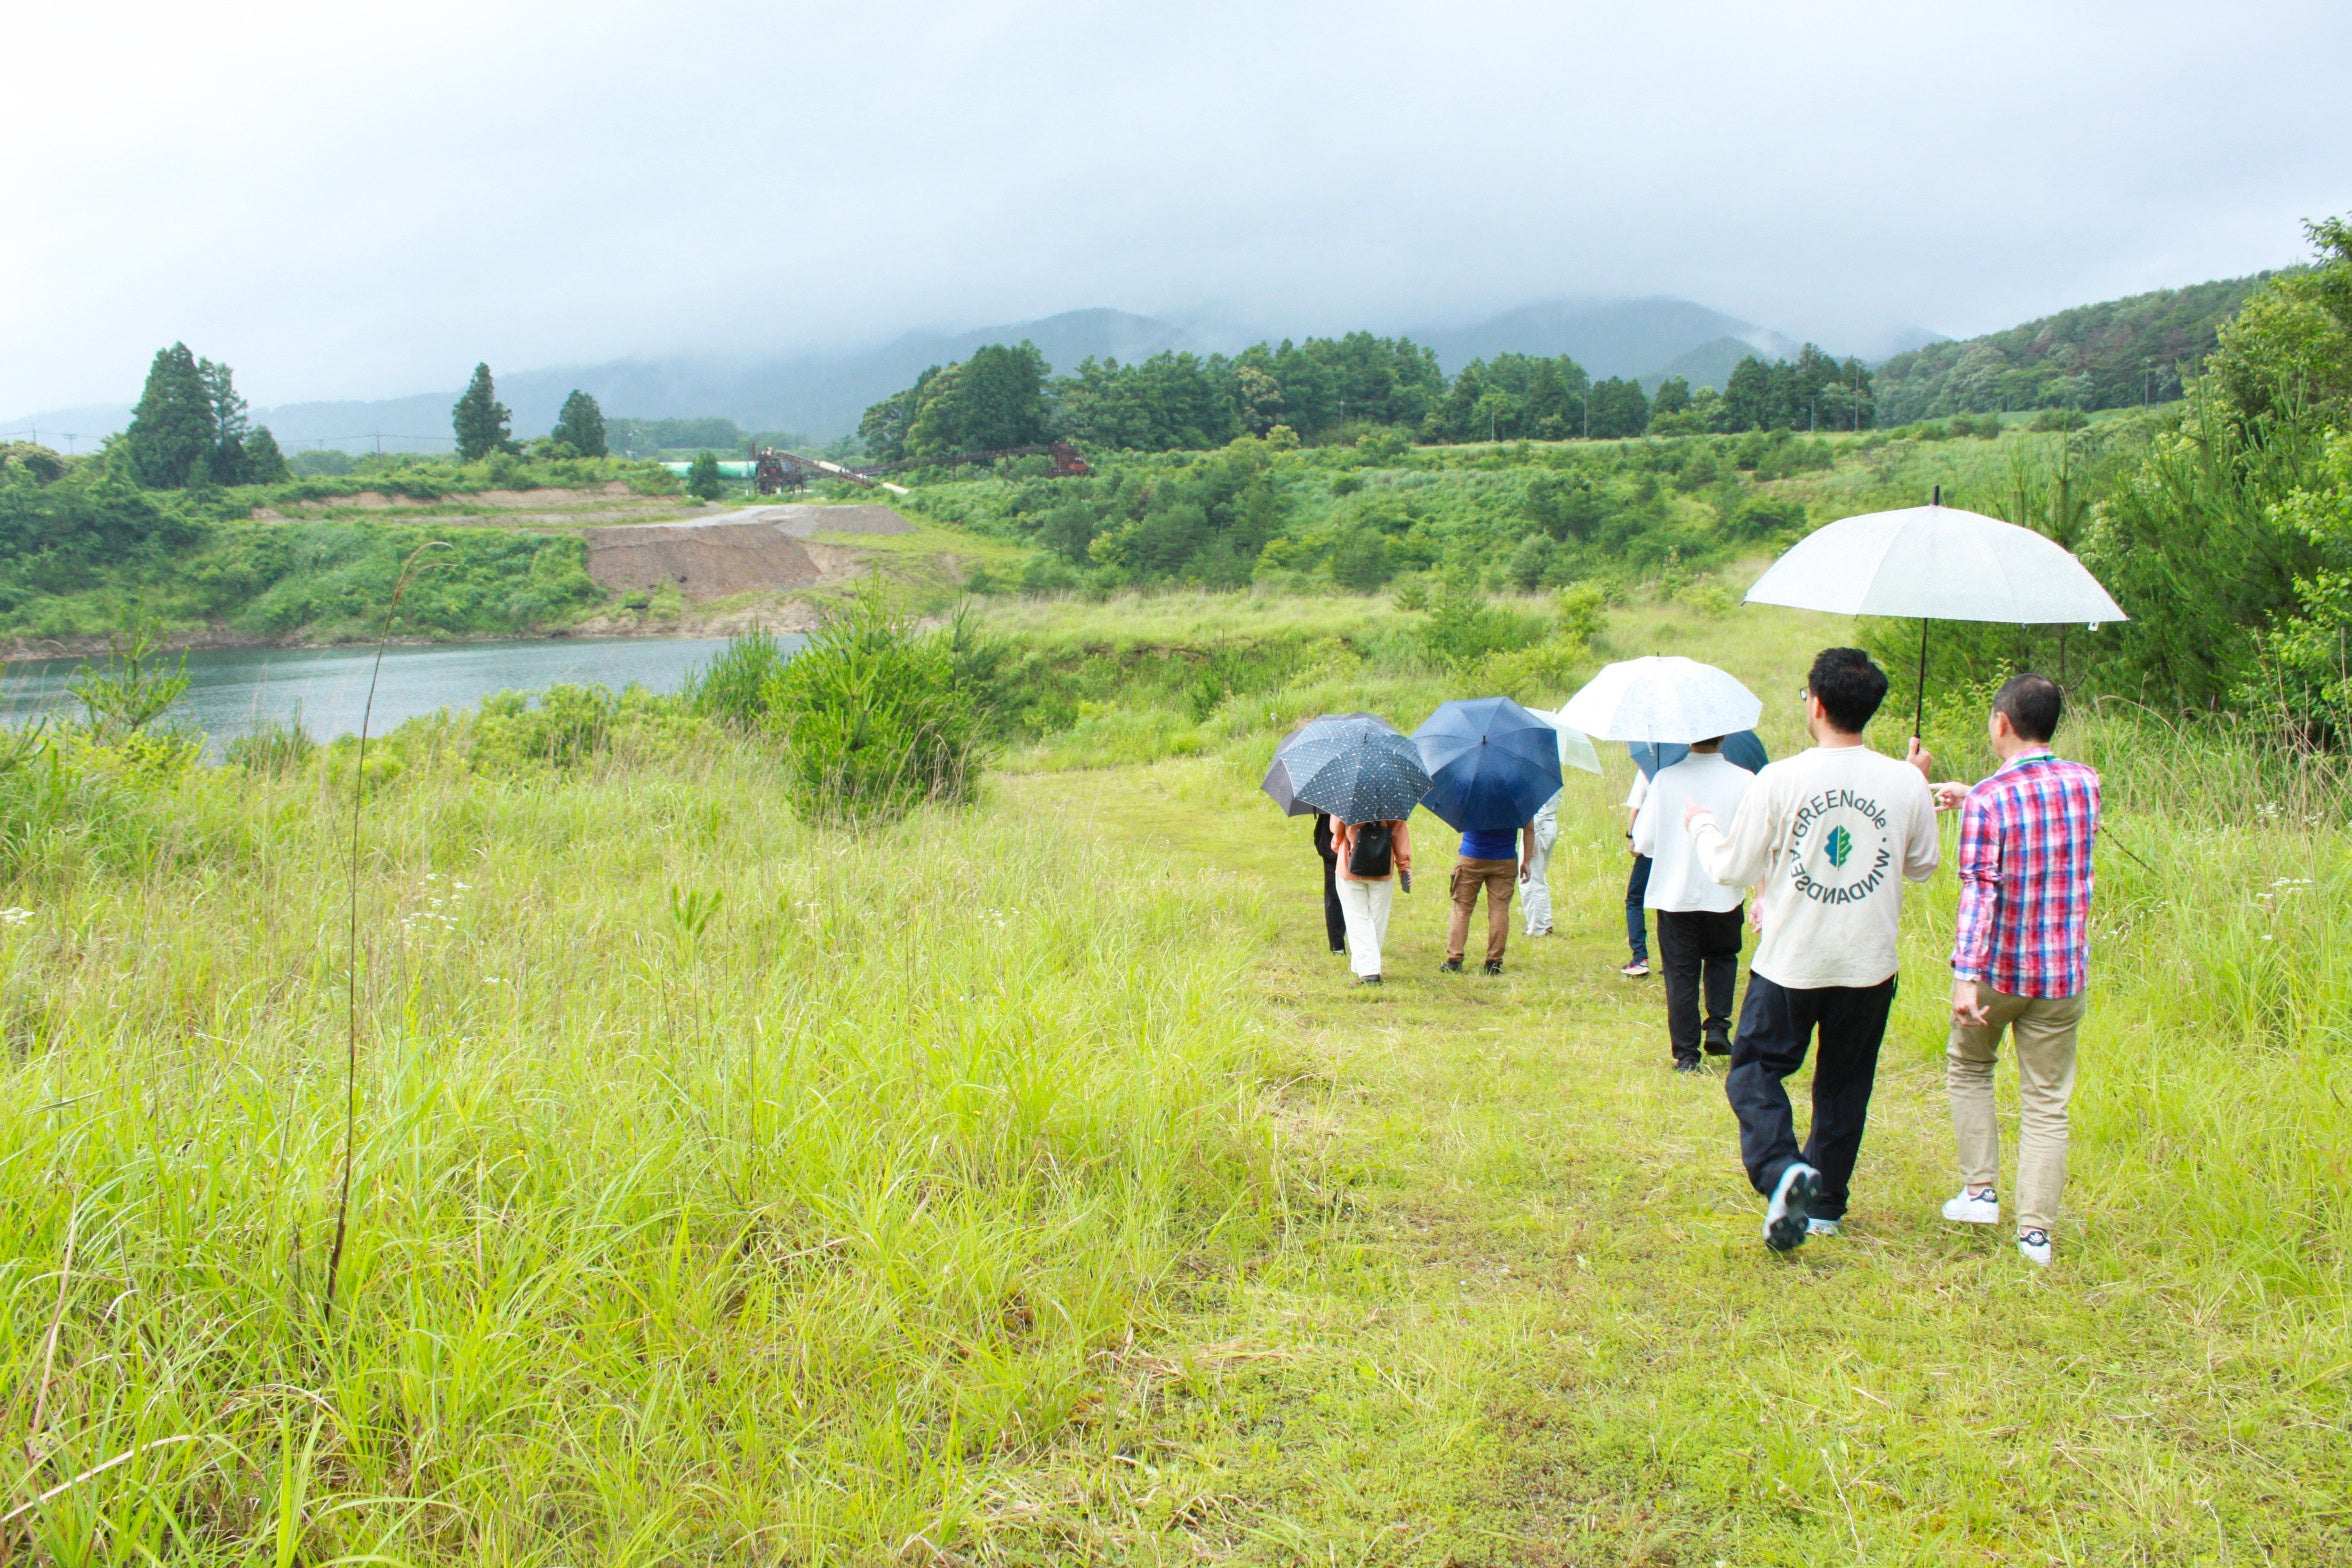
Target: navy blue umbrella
x,y
1744,750
1277,784
1491,762
1357,768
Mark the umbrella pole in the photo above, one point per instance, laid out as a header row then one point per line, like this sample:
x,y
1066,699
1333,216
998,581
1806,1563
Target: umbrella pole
x,y
1919,701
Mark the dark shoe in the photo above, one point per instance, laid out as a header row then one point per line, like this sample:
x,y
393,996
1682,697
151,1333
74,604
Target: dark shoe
x,y
1717,1045
1367,979
1494,966
1339,952
1452,966
1688,1064
1785,1220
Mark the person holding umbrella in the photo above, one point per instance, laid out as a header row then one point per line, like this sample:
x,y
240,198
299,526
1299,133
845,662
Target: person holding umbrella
x,y
1491,764
1357,769
1371,857
1830,835
2020,957
1698,918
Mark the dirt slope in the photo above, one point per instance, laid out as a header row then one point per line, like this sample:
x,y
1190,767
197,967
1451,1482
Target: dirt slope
x,y
738,552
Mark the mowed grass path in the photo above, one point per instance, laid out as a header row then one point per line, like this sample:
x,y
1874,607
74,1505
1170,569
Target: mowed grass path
x,y
1525,1316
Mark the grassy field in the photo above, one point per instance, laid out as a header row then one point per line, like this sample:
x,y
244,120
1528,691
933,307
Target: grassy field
x,y
1027,1186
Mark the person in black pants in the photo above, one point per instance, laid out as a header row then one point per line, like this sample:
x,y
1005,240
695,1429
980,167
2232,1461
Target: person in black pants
x,y
1699,947
1334,919
1848,1022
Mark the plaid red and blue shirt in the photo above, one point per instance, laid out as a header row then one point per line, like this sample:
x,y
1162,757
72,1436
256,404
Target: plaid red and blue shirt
x,y
2025,877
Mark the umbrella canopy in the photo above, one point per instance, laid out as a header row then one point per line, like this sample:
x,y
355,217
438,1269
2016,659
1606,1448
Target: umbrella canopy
x,y
1744,750
1357,768
1576,747
1277,783
1935,563
1491,762
1663,699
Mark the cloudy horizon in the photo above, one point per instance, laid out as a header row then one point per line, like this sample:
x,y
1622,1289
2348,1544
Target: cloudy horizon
x,y
363,204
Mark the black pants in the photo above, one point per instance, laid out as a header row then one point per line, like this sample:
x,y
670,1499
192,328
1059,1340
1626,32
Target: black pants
x,y
1774,1029
1693,943
1334,921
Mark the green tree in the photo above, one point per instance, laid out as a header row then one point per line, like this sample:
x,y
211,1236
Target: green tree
x,y
702,477
225,464
1674,396
480,421
1619,409
581,425
171,435
264,463
993,400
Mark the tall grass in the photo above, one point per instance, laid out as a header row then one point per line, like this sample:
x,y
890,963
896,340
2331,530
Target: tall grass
x,y
724,1188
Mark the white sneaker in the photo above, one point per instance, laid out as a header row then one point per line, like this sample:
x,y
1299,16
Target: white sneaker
x,y
1974,1208
2034,1247
1820,1227
1784,1217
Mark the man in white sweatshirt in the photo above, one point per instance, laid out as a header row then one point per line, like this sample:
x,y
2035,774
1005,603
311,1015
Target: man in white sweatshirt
x,y
1698,917
1831,834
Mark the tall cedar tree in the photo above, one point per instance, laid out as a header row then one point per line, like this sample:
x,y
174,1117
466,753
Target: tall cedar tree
x,y
172,431
581,425
702,477
480,421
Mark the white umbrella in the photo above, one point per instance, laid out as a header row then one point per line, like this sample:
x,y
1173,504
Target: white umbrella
x,y
1663,699
1576,747
1935,562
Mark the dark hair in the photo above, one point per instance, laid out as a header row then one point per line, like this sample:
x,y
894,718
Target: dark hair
x,y
2033,703
1849,685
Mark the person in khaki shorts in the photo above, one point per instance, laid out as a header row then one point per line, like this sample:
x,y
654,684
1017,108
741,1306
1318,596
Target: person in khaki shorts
x,y
2020,957
1486,861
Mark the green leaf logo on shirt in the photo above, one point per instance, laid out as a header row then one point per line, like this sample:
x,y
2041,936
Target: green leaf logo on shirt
x,y
1840,844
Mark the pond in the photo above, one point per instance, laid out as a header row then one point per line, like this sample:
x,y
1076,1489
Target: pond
x,y
231,690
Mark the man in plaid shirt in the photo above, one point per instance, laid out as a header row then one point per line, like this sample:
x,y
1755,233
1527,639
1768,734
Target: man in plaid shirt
x,y
2019,956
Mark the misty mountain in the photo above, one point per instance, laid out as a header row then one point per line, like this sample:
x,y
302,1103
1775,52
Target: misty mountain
x,y
1619,337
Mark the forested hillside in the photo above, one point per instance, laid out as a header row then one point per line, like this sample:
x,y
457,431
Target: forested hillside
x,y
2117,354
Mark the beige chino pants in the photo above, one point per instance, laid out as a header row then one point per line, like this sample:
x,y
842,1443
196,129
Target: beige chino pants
x,y
2044,1031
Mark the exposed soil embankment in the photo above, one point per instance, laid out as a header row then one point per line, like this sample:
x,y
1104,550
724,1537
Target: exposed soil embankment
x,y
760,551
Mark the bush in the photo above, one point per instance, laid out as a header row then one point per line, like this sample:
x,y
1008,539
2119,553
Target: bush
x,y
873,716
275,747
2060,419
733,687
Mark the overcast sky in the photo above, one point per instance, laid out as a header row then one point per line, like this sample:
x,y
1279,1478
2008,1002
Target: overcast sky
x,y
363,200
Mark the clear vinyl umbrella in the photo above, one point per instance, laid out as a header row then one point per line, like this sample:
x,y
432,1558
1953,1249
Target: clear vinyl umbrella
x,y
1936,563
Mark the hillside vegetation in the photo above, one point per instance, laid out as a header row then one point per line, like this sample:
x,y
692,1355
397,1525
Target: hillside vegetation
x,y
2122,353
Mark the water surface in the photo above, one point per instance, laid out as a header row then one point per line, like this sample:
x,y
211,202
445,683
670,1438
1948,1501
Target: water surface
x,y
231,690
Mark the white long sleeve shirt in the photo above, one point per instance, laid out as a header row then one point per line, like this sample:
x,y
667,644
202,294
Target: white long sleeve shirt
x,y
1677,880
1832,834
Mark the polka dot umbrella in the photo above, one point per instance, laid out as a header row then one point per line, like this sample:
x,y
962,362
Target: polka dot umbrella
x,y
1357,768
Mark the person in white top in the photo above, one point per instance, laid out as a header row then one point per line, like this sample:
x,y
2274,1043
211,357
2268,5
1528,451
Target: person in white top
x,y
1698,917
1536,902
1830,836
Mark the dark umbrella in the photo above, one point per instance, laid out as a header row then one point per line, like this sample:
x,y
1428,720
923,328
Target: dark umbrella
x,y
1277,783
1491,762
1357,768
1742,750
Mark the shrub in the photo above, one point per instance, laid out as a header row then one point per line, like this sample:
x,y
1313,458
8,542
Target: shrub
x,y
568,725
2059,419
702,479
1463,627
874,719
274,747
733,687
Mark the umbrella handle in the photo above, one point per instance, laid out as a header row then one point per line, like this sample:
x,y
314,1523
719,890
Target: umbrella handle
x,y
1919,698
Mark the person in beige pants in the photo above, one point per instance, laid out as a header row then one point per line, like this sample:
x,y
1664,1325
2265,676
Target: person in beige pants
x,y
2020,957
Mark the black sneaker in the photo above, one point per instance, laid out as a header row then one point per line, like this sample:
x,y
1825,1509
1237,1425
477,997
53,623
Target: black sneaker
x,y
1784,1216
1367,979
1687,1064
1452,966
1494,966
1717,1045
